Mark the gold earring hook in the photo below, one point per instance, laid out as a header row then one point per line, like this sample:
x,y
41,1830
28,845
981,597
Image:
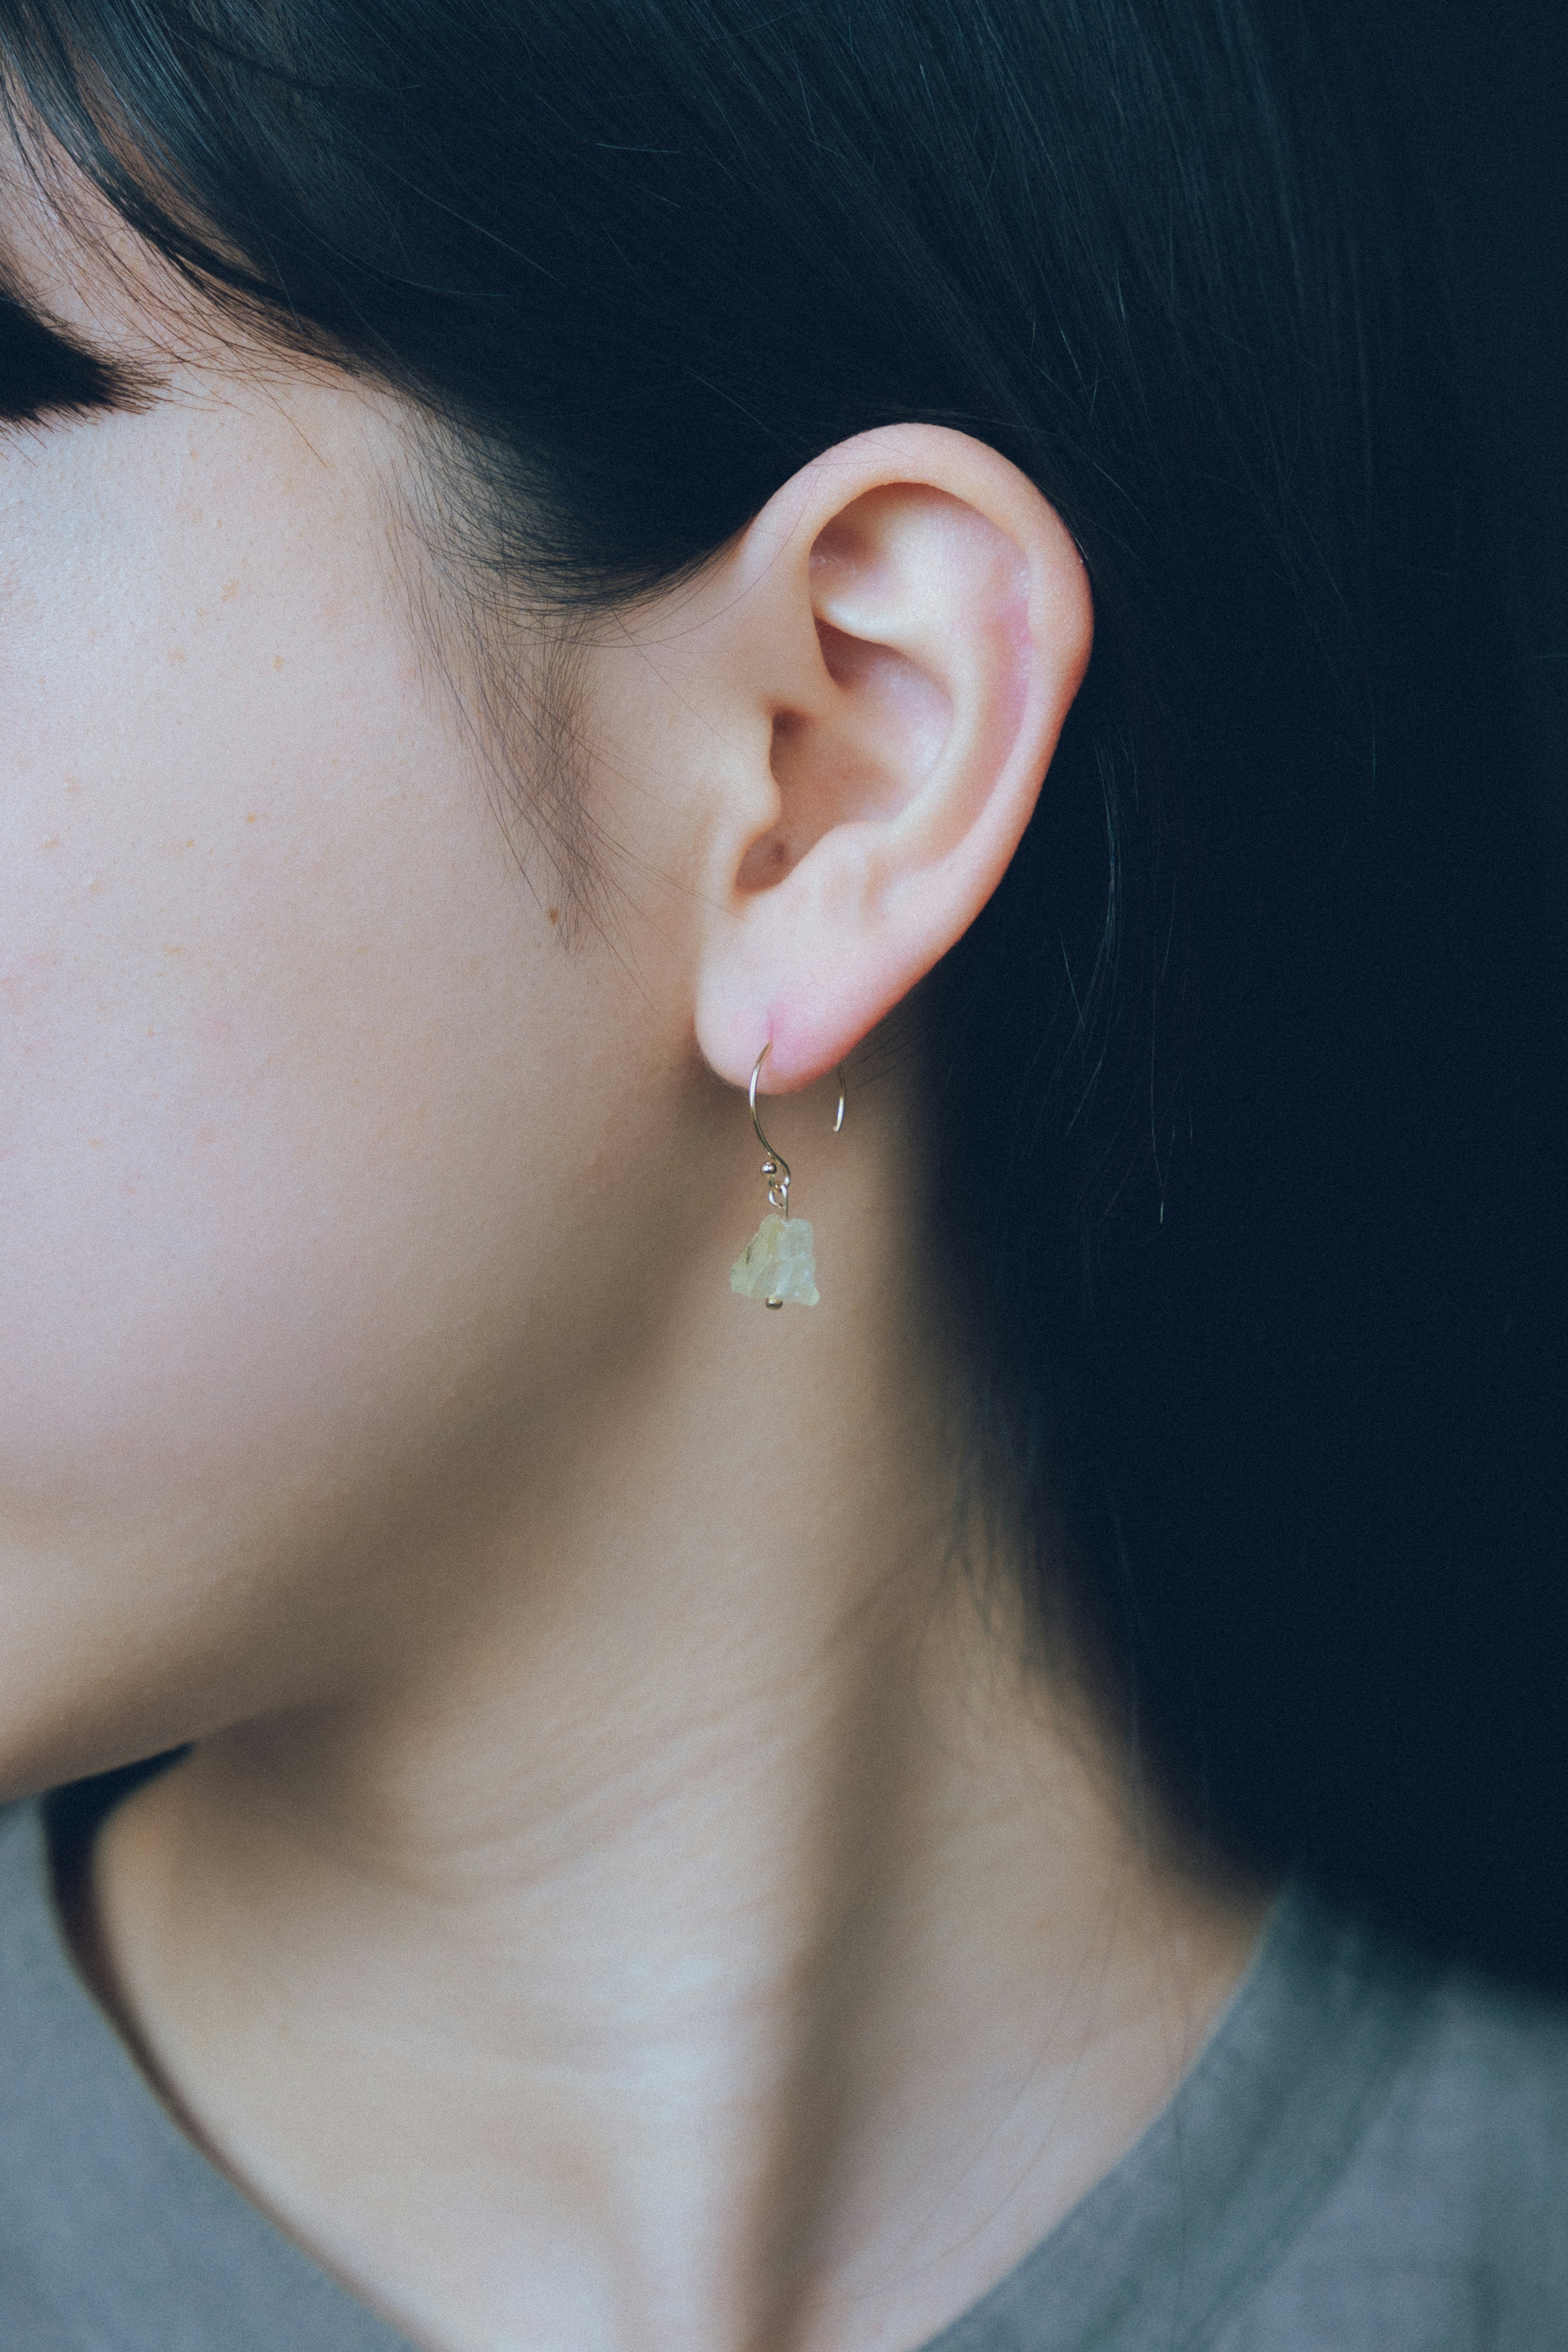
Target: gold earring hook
x,y
776,1168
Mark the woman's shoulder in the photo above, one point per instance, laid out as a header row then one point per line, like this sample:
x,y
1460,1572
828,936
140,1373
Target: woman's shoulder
x,y
1479,2099
1493,2051
114,2227
1370,2155
1476,2123
1433,2210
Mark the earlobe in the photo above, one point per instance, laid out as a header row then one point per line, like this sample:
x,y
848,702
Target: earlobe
x,y
916,621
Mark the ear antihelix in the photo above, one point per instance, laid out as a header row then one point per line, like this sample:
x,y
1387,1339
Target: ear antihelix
x,y
779,1261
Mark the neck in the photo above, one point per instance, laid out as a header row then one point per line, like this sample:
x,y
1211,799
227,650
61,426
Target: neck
x,y
684,1923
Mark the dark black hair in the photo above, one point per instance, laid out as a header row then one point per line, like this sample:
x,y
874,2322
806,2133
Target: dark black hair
x,y
1251,1078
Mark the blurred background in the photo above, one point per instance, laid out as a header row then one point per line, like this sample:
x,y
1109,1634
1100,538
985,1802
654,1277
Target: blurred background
x,y
1497,71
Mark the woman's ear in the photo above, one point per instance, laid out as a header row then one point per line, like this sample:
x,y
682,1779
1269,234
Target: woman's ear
x,y
904,627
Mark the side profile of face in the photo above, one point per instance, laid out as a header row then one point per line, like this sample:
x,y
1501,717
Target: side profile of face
x,y
329,1169
302,1103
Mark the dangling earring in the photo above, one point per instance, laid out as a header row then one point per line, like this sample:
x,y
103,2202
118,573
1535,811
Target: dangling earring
x,y
776,1263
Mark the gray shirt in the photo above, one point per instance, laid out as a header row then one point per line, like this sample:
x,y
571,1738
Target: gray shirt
x,y
1370,2152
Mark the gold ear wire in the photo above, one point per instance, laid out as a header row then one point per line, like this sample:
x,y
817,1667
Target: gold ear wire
x,y
782,1253
776,1168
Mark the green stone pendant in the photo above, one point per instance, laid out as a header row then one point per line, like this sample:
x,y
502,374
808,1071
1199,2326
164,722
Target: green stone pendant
x,y
777,1263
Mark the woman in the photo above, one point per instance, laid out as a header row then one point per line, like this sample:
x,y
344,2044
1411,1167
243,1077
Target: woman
x,y
567,566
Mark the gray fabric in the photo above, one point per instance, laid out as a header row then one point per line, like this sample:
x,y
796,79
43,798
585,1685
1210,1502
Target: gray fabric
x,y
116,2236
1368,2154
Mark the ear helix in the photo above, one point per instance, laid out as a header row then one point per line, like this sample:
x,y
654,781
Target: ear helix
x,y
777,1262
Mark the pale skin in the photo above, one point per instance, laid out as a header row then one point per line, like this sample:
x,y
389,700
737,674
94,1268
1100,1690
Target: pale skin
x,y
625,1896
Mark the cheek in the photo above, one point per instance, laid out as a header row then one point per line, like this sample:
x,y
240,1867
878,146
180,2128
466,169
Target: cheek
x,y
311,1137
255,1077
